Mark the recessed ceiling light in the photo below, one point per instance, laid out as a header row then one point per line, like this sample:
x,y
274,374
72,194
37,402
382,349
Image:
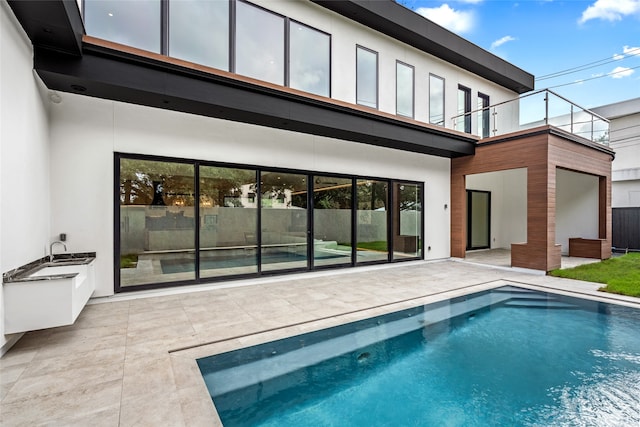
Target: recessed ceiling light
x,y
110,14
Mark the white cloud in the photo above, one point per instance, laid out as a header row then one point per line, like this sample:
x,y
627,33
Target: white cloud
x,y
502,41
610,10
458,21
621,72
617,56
631,50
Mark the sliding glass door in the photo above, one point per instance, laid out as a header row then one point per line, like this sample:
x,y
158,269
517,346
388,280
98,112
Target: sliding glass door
x,y
407,220
332,220
186,221
284,221
228,221
157,222
372,219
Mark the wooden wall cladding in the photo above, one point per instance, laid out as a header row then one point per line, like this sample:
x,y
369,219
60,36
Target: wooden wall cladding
x,y
541,151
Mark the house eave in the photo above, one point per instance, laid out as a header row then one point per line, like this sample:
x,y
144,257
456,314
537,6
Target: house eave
x,y
405,25
159,82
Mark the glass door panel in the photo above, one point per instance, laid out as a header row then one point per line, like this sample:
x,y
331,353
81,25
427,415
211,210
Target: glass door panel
x,y
157,222
372,218
331,220
407,220
284,222
228,221
478,219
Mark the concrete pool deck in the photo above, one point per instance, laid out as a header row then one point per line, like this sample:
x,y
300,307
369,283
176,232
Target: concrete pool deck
x,y
130,359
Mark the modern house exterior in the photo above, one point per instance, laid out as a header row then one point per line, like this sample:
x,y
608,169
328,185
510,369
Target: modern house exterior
x,y
301,135
625,174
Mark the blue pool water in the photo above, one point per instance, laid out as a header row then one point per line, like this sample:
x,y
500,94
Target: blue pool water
x,y
507,357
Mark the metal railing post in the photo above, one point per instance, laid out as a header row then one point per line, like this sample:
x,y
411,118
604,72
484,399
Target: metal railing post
x,y
546,107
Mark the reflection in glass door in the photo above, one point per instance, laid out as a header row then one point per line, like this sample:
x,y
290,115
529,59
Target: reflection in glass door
x,y
407,220
331,220
371,225
157,222
228,221
478,219
284,222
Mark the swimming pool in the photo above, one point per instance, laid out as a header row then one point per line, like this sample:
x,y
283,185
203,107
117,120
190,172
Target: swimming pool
x,y
503,357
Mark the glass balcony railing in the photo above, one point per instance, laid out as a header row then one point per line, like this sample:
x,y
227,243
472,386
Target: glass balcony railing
x,y
543,107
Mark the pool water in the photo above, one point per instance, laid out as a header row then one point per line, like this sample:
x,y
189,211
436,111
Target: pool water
x,y
506,357
188,265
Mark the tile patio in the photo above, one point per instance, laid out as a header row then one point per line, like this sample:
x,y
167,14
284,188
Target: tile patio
x,y
130,359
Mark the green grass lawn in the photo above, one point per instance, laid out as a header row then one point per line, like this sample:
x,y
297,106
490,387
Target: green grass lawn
x,y
621,275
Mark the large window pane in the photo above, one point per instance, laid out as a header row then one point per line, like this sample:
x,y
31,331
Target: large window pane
x,y
228,221
404,89
157,222
367,77
259,43
284,220
133,23
331,220
407,220
199,32
309,59
436,100
372,220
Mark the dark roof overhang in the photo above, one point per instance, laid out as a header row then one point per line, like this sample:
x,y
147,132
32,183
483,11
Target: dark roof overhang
x,y
110,71
398,22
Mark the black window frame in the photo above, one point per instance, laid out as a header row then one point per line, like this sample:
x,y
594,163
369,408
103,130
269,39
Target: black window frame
x,y
444,88
288,56
484,116
467,107
413,89
358,48
118,156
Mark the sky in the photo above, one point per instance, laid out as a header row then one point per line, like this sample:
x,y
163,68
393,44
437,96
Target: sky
x,y
586,51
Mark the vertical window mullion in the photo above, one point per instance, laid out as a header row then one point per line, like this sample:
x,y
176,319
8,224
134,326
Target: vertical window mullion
x,y
354,220
196,190
164,27
310,223
259,224
232,36
287,52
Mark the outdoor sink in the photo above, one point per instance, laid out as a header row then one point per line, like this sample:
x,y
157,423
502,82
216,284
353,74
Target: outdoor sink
x,y
56,269
48,295
69,261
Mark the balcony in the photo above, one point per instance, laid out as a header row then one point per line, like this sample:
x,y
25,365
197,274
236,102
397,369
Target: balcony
x,y
543,107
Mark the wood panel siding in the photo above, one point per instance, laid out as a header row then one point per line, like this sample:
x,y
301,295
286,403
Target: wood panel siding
x,y
541,151
588,248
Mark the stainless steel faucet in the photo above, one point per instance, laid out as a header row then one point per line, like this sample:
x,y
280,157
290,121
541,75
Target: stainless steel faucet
x,y
51,249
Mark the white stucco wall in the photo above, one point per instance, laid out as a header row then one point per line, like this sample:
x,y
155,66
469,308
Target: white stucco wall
x,y
24,154
576,207
85,133
508,204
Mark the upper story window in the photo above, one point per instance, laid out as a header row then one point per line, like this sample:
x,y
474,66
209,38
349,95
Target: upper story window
x,y
309,59
483,115
133,23
404,89
366,77
464,107
199,32
436,100
259,43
